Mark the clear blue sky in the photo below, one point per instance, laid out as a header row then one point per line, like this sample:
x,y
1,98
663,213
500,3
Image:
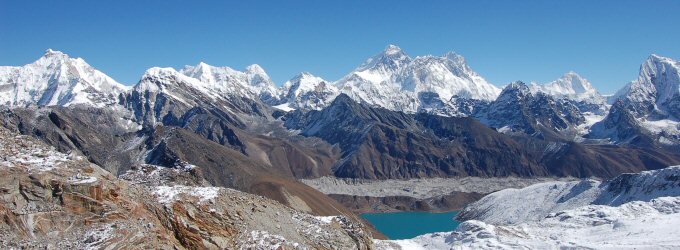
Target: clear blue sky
x,y
605,41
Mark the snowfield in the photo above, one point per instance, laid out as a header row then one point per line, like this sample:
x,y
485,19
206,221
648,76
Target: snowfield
x,y
631,211
634,225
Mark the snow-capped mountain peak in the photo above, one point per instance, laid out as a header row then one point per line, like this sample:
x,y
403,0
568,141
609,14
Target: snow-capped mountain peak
x,y
573,83
393,80
658,76
303,81
659,58
57,79
392,49
306,91
518,86
656,87
256,69
210,74
513,92
663,74
391,59
571,86
517,108
649,105
154,71
455,57
263,84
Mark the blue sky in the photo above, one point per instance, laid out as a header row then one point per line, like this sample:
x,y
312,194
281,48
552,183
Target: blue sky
x,y
605,41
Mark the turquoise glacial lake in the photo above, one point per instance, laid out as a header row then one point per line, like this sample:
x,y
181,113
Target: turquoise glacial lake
x,y
406,225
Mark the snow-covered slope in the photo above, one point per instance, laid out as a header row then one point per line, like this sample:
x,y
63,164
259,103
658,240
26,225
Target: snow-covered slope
x,y
57,79
448,76
634,225
395,81
511,206
308,92
532,203
630,211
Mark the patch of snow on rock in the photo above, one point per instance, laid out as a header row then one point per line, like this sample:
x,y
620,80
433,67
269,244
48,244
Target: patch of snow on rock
x,y
166,194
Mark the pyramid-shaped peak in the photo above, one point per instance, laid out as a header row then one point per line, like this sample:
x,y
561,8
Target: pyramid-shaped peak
x,y
393,49
572,73
255,68
574,77
202,64
303,75
519,85
390,59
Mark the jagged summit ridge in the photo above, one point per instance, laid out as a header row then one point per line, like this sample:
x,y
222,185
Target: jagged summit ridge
x,y
252,83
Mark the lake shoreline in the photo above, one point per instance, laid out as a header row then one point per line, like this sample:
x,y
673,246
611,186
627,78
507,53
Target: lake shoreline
x,y
390,204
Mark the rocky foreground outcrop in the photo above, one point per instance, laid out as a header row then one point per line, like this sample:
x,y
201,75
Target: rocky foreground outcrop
x,y
61,201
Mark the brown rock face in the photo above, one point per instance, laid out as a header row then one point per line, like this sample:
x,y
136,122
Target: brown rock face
x,y
58,201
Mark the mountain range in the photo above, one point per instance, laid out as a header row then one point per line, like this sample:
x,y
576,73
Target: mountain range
x,y
393,117
644,111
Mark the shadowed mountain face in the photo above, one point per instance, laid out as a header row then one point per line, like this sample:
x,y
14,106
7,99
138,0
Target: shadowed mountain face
x,y
62,201
517,109
378,143
382,144
104,140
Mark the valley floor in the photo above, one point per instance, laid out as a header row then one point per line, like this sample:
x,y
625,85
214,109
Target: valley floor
x,y
428,194
421,188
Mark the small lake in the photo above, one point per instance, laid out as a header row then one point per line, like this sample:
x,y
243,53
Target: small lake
x,y
406,225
